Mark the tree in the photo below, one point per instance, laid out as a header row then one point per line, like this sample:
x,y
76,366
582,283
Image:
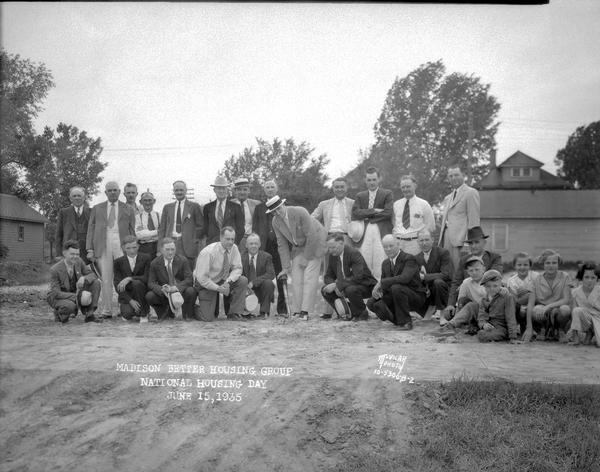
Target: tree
x,y
579,161
300,176
424,126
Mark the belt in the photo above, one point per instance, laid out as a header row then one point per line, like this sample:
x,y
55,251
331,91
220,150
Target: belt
x,y
407,239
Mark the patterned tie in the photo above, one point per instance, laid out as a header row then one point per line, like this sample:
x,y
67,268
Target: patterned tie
x,y
178,221
150,224
111,216
220,214
252,269
226,266
170,272
372,200
406,215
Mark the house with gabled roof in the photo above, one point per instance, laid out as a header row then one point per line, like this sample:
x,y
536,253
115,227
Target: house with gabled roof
x,y
525,208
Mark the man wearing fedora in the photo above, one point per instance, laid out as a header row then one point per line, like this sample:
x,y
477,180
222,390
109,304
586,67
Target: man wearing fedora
x,y
347,276
182,222
301,245
170,280
73,286
147,223
222,212
461,213
476,240
373,208
72,223
257,267
219,271
241,190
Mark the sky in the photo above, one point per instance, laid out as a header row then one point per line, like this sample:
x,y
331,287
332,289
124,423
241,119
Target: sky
x,y
174,89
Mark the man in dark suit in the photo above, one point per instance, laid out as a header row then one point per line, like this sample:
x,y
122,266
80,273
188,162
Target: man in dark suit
x,y
262,224
222,212
257,267
170,273
400,289
72,223
182,222
347,276
241,190
436,271
70,279
131,278
374,207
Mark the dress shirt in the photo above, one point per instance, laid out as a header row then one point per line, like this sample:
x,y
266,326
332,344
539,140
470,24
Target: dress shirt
x,y
426,255
516,284
141,227
69,268
372,195
131,262
209,265
546,293
338,222
224,205
421,217
79,210
178,205
115,228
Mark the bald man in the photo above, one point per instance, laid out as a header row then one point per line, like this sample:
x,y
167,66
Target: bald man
x,y
110,222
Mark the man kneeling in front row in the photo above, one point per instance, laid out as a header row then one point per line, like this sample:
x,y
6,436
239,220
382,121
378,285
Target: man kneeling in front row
x,y
258,269
73,285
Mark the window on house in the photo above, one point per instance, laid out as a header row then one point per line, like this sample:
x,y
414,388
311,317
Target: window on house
x,y
515,172
21,233
499,237
526,171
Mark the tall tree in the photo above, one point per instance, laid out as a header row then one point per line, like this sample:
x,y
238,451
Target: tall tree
x,y
300,176
424,128
579,161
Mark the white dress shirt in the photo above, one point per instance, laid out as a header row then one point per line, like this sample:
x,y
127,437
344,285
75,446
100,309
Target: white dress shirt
x,y
142,232
115,228
421,217
209,265
338,221
181,206
131,262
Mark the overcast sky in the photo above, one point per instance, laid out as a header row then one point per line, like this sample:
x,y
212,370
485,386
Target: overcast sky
x,y
175,89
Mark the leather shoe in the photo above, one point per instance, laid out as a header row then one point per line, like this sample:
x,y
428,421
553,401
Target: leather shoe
x,y
405,327
364,316
92,319
325,316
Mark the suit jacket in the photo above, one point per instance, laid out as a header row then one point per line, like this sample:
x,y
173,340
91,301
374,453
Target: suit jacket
x,y
324,211
356,271
158,275
404,272
192,226
262,224
96,234
439,265
252,204
383,199
305,236
66,225
490,261
140,272
59,280
233,217
460,215
264,267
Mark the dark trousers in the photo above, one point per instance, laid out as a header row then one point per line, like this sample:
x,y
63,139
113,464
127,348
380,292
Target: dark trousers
x,y
160,303
150,249
271,248
83,251
265,292
396,304
438,294
65,307
136,289
355,295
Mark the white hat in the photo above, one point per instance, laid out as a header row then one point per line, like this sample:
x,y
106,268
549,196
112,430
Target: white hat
x,y
175,302
274,203
86,298
251,302
356,230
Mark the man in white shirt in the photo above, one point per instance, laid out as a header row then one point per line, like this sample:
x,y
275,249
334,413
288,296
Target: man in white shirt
x,y
146,225
219,271
411,215
241,190
335,214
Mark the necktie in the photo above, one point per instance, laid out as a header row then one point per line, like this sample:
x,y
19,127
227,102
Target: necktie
x,y
225,270
150,224
406,215
453,196
178,221
77,212
426,256
70,271
170,272
132,264
340,269
243,205
111,216
252,269
371,200
220,214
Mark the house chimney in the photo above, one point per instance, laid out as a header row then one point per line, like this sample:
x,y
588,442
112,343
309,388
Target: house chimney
x,y
493,159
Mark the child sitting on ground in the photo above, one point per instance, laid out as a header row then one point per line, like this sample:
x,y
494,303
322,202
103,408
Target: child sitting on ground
x,y
586,306
496,318
520,285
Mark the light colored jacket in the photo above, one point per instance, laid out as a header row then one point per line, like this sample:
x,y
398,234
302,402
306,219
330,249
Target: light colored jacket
x,y
460,215
96,233
324,210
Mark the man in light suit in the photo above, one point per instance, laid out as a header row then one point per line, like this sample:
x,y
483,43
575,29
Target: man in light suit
x,y
222,212
241,190
72,223
110,222
182,221
335,214
301,245
461,213
147,223
374,207
257,267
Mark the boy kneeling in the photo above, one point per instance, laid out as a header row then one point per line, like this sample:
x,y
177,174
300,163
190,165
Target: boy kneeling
x,y
496,318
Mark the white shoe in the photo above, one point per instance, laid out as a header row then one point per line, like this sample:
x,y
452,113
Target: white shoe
x,y
443,321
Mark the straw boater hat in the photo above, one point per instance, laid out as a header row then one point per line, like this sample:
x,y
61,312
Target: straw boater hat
x,y
241,182
356,230
147,195
220,181
175,302
342,309
251,302
490,275
274,203
475,233
86,298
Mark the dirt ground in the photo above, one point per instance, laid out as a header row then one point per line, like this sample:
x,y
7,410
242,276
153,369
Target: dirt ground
x,y
66,404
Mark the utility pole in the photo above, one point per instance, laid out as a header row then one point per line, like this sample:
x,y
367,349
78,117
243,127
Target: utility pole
x,y
470,148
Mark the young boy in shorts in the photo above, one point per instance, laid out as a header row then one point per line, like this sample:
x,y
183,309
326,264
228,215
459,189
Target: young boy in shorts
x,y
496,318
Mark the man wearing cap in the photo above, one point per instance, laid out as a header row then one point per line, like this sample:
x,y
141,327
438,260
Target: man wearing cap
x,y
182,221
496,318
219,271
476,240
411,215
301,245
147,223
130,191
400,289
347,276
373,208
131,279
262,224
461,213
170,278
222,212
257,267
110,222
241,190
72,223
73,285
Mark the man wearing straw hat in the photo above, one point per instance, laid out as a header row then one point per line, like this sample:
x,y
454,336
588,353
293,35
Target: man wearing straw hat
x,y
222,212
241,190
258,269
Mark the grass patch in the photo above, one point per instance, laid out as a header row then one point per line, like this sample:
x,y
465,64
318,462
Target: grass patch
x,y
24,273
503,426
